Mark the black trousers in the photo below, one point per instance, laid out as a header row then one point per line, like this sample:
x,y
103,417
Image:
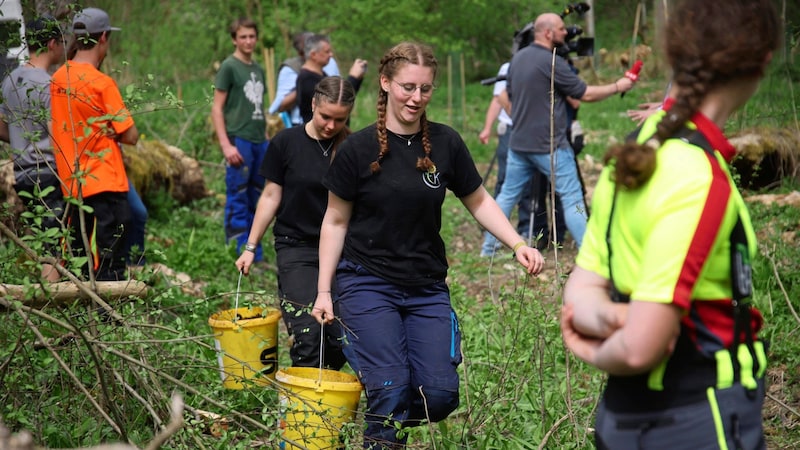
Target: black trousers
x,y
298,269
106,228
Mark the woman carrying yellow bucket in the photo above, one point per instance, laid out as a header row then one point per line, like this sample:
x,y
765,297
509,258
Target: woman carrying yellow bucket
x,y
297,160
387,187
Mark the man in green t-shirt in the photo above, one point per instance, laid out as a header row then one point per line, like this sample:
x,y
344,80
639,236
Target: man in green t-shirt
x,y
238,117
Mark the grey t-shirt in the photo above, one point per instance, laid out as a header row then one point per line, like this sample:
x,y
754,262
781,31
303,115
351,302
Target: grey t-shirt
x,y
26,108
529,90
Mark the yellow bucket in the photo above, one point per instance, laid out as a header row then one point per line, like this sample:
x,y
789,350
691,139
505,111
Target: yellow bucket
x,y
247,345
315,405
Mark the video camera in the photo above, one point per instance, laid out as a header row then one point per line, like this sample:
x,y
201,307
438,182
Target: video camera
x,y
583,46
522,39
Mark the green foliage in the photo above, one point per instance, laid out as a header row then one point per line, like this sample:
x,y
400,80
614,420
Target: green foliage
x,y
195,33
519,388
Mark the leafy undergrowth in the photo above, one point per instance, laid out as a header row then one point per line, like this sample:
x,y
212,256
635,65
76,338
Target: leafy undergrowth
x,y
73,376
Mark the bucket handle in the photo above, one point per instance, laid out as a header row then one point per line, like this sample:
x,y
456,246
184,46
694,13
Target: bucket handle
x,y
236,315
321,352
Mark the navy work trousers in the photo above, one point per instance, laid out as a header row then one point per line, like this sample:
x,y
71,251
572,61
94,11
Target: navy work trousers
x,y
405,345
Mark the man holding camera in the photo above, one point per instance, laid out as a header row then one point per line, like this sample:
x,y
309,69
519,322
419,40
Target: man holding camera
x,y
529,86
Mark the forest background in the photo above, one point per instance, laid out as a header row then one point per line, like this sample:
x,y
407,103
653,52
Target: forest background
x,y
519,388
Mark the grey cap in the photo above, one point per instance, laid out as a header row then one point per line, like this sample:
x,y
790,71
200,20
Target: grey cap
x,y
91,21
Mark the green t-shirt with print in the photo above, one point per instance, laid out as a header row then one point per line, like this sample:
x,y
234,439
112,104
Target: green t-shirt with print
x,y
244,105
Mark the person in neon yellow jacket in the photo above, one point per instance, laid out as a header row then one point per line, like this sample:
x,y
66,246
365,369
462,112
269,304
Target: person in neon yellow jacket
x,y
659,295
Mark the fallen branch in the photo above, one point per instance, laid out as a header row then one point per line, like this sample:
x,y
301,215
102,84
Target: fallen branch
x,y
67,291
783,405
24,314
24,441
175,424
62,271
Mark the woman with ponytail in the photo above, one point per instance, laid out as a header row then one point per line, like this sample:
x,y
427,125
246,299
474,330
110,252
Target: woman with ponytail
x,y
659,296
380,240
294,196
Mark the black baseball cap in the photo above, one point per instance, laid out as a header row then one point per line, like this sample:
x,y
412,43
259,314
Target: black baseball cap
x,y
40,30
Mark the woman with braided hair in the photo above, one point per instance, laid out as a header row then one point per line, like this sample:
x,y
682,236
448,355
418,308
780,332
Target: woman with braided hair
x,y
659,296
295,198
381,239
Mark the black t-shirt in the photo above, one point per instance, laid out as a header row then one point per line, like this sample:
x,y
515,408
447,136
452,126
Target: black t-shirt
x,y
306,83
296,162
397,212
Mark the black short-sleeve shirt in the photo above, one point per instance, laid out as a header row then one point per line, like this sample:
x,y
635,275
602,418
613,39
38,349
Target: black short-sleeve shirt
x,y
397,212
297,163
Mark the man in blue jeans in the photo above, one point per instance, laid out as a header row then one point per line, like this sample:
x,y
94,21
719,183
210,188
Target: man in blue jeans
x,y
240,124
528,87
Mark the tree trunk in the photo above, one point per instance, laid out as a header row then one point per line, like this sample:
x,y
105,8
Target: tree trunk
x,y
153,165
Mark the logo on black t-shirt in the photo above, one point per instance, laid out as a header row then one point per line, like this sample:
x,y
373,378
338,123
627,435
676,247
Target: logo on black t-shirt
x,y
431,179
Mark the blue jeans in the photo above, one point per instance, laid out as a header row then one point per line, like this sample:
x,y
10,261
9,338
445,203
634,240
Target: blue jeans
x,y
136,230
541,227
404,343
519,170
243,186
524,204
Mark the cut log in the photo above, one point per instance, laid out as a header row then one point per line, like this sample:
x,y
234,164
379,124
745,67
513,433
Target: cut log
x,y
766,156
154,165
66,291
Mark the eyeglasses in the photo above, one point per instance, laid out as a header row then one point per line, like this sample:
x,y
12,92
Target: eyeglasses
x,y
409,88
